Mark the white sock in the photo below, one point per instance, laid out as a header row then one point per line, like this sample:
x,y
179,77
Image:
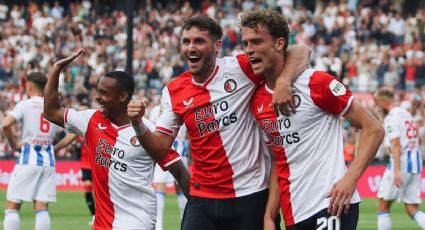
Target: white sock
x,y
11,220
384,221
182,203
42,220
160,200
419,217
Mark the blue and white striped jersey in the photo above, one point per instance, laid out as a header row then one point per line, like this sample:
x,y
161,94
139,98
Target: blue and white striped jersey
x,y
37,133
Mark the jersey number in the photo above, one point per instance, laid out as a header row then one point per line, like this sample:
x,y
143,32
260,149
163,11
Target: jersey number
x,y
412,130
333,223
44,124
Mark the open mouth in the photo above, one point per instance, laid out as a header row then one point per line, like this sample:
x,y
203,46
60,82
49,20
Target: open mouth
x,y
194,59
254,61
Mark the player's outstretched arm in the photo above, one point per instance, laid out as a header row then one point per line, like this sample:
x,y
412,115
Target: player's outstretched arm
x,y
272,207
371,137
182,176
8,123
297,60
156,144
52,108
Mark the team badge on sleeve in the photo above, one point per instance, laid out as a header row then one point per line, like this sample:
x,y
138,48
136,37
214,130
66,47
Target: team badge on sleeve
x,y
337,88
230,85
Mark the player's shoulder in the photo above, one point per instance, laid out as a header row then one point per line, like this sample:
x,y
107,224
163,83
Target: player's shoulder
x,y
180,81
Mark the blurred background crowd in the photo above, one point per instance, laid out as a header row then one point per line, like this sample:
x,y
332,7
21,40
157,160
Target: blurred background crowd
x,y
365,43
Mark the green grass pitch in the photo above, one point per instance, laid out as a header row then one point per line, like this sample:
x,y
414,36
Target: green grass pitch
x,y
70,213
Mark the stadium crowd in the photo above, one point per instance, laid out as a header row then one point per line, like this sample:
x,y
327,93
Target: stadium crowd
x,y
366,44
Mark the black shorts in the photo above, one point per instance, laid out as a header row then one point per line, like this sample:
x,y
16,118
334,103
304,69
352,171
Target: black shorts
x,y
323,219
241,213
86,174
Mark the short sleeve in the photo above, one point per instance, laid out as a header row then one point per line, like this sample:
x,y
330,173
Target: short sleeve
x,y
330,94
392,128
171,158
18,110
168,122
77,121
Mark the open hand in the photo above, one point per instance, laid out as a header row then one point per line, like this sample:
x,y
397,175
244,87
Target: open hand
x,y
282,97
340,195
66,61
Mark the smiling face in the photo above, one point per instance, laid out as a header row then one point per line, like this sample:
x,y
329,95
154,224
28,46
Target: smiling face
x,y
265,53
109,96
199,50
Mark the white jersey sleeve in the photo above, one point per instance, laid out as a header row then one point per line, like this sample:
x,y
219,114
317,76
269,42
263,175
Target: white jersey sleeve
x,y
168,122
18,111
392,127
77,121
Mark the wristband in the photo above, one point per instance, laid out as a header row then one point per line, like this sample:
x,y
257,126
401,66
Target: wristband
x,y
140,128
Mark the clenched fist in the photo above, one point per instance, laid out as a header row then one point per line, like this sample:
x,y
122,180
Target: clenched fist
x,y
136,110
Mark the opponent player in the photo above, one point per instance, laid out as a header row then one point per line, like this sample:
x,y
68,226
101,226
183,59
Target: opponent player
x,y
33,178
122,170
161,178
402,177
85,164
316,190
228,182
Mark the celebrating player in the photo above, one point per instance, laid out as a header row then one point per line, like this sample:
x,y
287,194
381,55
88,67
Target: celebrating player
x,y
33,178
316,190
402,177
122,170
228,183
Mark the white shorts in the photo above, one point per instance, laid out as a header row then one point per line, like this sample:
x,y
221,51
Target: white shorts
x,y
30,182
409,193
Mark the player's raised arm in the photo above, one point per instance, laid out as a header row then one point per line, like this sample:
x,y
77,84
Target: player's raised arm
x,y
156,144
297,60
371,136
52,108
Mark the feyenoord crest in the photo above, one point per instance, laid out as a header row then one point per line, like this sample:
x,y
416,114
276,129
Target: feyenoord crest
x,y
134,142
230,85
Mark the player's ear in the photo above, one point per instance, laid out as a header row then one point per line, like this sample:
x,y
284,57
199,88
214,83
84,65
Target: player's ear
x,y
217,45
279,44
124,96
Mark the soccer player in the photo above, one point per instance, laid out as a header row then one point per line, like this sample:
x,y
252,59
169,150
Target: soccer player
x,y
122,170
402,177
85,164
316,190
228,185
161,178
33,178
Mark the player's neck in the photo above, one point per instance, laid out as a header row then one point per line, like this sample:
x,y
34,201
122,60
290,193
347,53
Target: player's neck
x,y
273,73
119,117
35,94
203,77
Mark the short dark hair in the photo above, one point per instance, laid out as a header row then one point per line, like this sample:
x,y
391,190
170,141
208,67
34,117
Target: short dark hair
x,y
275,22
204,23
124,80
38,79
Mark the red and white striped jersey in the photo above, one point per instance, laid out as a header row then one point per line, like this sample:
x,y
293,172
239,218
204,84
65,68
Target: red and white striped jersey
x,y
308,144
226,144
122,171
